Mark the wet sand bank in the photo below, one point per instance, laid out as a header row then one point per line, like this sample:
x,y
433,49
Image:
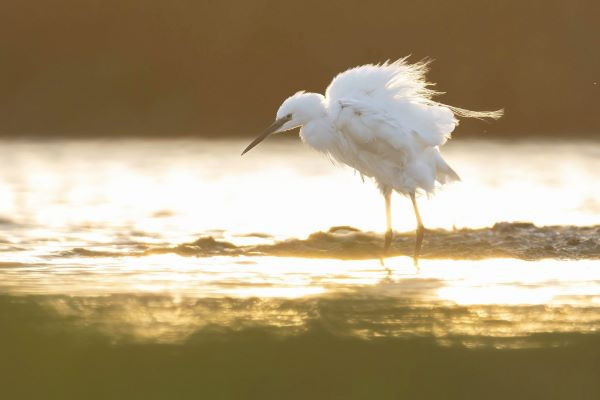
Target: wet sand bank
x,y
519,240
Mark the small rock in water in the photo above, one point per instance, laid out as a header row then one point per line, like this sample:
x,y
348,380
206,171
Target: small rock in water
x,y
511,226
345,228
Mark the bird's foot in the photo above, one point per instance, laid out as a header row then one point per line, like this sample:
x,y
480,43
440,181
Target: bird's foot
x,y
386,246
418,245
388,241
416,264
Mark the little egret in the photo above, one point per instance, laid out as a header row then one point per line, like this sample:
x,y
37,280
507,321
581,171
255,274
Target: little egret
x,y
381,120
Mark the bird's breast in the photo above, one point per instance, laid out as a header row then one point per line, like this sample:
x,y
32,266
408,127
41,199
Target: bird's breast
x,y
318,135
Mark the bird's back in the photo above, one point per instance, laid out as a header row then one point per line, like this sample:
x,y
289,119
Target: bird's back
x,y
396,94
390,128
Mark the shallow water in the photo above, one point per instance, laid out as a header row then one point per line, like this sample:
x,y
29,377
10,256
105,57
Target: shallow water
x,y
130,268
275,327
118,192
496,302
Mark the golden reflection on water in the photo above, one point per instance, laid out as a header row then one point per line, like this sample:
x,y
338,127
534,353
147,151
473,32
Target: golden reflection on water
x,y
122,196
490,281
167,298
172,190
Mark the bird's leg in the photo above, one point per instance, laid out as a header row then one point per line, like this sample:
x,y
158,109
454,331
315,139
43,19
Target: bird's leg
x,y
420,230
388,220
387,194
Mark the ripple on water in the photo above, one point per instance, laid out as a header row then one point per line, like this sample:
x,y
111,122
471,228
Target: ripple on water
x,y
170,298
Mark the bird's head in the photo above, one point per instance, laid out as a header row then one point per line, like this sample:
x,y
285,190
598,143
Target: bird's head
x,y
295,111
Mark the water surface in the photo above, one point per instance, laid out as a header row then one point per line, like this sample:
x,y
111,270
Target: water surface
x,y
139,269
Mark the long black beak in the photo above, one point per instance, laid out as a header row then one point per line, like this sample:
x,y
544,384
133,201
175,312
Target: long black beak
x,y
271,129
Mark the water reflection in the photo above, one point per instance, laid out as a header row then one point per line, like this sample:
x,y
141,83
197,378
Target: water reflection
x,y
85,192
82,318
71,212
169,298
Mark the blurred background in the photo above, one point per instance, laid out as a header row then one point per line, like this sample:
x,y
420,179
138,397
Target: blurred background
x,y
198,68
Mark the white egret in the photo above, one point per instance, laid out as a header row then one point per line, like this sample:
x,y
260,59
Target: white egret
x,y
382,121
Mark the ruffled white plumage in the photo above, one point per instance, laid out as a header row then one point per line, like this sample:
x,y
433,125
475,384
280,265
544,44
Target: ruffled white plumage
x,y
393,94
382,121
387,126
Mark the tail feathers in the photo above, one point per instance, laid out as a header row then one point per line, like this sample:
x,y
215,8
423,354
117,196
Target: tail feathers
x,y
443,172
449,175
461,112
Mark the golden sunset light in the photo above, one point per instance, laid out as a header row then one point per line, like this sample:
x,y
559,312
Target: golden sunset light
x,y
299,200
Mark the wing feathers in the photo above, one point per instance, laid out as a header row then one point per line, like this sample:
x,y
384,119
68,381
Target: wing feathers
x,y
390,127
393,97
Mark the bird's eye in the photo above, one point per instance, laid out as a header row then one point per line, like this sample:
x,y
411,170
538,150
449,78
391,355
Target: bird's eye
x,y
289,116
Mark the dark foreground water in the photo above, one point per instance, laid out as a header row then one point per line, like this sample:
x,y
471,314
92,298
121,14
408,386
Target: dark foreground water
x,y
169,326
85,354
